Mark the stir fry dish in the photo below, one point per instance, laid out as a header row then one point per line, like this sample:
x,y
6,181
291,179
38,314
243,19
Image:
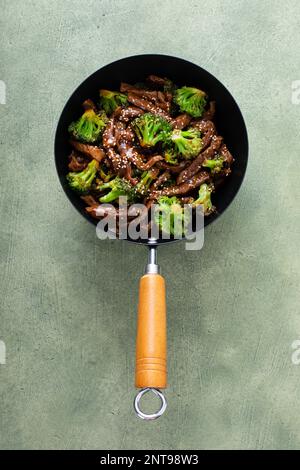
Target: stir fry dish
x,y
153,142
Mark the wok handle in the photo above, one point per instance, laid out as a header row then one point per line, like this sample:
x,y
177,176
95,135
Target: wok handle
x,y
151,341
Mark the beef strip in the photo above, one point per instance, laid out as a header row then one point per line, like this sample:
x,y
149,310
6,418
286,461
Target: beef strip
x,y
116,131
169,96
126,88
89,200
157,97
120,133
207,128
117,113
224,152
108,137
141,165
119,163
183,188
133,156
127,114
99,210
90,150
173,168
77,162
130,134
164,101
148,106
89,104
157,81
195,166
128,175
124,137
116,134
92,211
209,114
181,121
165,176
148,202
123,134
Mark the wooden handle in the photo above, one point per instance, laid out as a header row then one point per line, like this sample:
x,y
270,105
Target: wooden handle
x,y
151,341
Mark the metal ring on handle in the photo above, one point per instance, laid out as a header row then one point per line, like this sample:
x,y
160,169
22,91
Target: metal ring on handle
x,y
156,415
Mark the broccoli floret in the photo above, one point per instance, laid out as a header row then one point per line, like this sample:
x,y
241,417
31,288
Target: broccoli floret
x,y
151,129
82,181
145,181
170,155
188,143
89,127
169,86
118,187
190,100
110,100
105,176
170,216
215,165
204,198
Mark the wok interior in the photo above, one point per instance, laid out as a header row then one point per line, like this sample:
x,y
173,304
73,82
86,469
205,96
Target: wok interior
x,y
228,118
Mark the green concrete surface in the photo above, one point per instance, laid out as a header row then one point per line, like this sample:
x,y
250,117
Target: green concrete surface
x,y
68,301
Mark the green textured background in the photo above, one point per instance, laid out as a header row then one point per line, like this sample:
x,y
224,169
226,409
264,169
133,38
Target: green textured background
x,y
68,301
